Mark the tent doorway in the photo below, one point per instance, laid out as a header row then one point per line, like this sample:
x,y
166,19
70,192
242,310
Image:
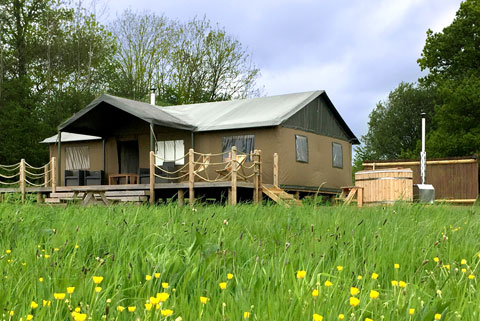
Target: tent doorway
x,y
127,157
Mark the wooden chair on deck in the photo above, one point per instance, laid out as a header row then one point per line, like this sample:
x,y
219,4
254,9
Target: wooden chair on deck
x,y
204,165
240,159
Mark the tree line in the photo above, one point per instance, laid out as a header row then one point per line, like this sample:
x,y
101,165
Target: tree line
x,y
449,94
56,57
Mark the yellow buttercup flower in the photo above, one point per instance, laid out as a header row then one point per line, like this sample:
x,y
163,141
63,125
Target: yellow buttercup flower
x,y
339,268
328,283
341,316
411,311
471,276
463,261
396,266
98,289
447,266
301,274
374,276
368,319
132,308
222,285
436,259
229,276
464,270
148,306
97,279
317,317
148,277
11,313
80,317
34,305
204,299
166,312
246,315
394,283
40,279
154,300
374,294
29,317
56,249
76,246
402,284
70,289
59,296
77,309
315,293
46,303
354,290
165,285
438,316
47,256
359,277
162,296
120,308
8,251
157,275
354,301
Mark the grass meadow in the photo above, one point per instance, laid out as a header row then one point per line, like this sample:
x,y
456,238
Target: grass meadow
x,y
402,262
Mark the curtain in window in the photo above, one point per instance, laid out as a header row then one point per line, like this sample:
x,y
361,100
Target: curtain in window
x,y
169,151
337,155
77,158
301,148
244,143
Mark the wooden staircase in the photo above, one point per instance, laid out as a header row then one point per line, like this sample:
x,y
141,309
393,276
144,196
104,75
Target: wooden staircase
x,y
280,196
133,196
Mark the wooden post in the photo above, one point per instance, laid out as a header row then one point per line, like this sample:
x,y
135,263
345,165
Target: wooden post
x,y
22,179
275,170
191,177
59,159
54,175
45,174
181,197
255,177
260,174
152,178
234,175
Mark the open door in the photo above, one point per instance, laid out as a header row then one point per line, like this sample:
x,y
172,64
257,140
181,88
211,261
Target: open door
x,y
128,157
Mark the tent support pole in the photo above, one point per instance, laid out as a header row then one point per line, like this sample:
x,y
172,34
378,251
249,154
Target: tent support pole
x,y
152,139
193,140
103,151
59,158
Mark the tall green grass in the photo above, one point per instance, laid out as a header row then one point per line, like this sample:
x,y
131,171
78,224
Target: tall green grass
x,y
263,247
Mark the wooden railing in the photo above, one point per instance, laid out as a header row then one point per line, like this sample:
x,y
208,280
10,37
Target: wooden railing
x,y
230,166
23,175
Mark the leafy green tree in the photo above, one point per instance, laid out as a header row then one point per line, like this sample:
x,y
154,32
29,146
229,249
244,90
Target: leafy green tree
x,y
452,58
394,127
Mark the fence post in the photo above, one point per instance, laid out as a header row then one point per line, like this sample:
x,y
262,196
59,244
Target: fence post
x,y
191,177
54,175
152,178
45,174
275,170
234,165
22,179
255,177
260,174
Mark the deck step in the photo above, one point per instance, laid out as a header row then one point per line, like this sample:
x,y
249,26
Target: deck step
x,y
280,196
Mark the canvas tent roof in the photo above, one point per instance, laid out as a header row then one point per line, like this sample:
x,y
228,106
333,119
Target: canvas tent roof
x,y
69,137
234,114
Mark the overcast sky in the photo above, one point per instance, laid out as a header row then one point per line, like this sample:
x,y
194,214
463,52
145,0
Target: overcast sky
x,y
355,50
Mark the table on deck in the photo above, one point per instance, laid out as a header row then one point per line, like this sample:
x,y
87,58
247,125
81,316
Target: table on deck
x,y
114,179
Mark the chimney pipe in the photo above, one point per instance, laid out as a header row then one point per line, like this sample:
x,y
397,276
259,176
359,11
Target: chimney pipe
x,y
423,154
152,96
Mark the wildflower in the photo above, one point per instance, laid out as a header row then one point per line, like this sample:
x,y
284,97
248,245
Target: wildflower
x,y
315,293
76,246
359,277
8,251
402,284
162,296
317,317
229,276
59,296
148,306
47,256
154,300
70,289
341,316
148,277
394,283
204,299
56,249
354,301
40,279
246,315
223,285
354,291
46,303
339,268
436,259
368,319
120,308
157,275
77,309
374,276
374,294
411,311
29,317
328,283
463,262
447,266
11,313
301,274
80,317
34,305
109,300
24,264
97,279
471,276
166,312
98,289
165,285
464,270
132,308
438,316
396,266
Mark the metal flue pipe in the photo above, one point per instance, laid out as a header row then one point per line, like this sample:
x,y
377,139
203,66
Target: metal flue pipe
x,y
152,96
423,154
